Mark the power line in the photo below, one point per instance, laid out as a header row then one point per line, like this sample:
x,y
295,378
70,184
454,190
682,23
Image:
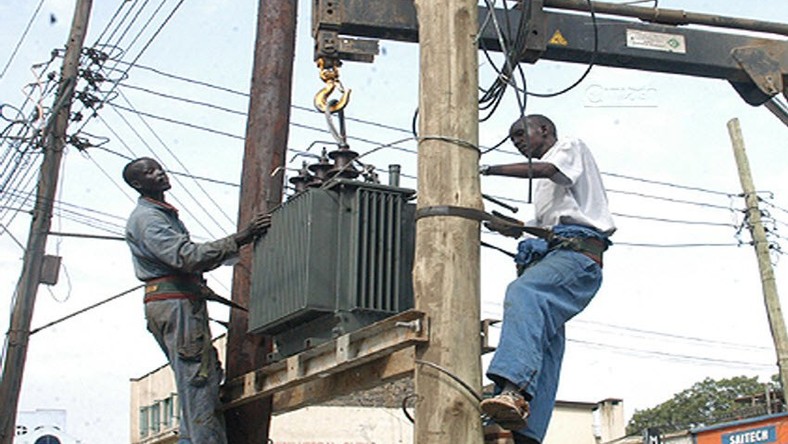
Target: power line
x,y
153,152
674,356
668,199
176,122
184,99
675,221
199,185
142,51
692,188
673,336
84,216
87,236
88,308
238,93
668,184
668,355
22,38
688,245
11,235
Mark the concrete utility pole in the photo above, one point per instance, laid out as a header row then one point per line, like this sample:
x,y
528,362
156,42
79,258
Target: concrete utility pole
x,y
770,296
446,269
27,288
265,150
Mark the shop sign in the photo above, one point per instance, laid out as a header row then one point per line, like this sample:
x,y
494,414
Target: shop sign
x,y
761,435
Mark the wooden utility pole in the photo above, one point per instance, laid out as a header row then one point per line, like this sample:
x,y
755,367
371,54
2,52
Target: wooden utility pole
x,y
27,288
770,296
446,269
265,150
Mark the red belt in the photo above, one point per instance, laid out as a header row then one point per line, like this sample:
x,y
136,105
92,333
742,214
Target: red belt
x,y
172,287
166,296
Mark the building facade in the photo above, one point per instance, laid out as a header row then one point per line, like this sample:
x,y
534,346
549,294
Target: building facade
x,y
42,426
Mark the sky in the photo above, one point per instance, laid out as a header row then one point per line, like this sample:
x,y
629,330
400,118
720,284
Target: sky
x,y
681,298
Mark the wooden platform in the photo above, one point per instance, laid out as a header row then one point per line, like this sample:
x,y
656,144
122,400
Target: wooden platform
x,y
359,360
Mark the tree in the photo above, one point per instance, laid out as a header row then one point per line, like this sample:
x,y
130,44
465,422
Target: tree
x,y
702,404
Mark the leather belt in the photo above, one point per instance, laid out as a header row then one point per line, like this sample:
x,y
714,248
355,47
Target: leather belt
x,y
172,287
591,247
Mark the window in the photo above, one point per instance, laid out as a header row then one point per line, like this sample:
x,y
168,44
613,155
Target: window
x,y
155,417
144,422
167,412
176,406
47,439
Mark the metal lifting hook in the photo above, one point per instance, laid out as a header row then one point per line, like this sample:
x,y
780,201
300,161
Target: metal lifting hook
x,y
330,75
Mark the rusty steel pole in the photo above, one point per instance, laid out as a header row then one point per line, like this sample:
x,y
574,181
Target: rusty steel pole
x,y
265,149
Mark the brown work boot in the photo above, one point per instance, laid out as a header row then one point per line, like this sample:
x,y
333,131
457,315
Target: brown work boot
x,y
509,410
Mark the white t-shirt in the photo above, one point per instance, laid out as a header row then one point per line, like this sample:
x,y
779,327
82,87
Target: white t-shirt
x,y
575,195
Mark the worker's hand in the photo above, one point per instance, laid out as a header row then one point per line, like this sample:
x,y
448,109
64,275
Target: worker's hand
x,y
256,228
508,226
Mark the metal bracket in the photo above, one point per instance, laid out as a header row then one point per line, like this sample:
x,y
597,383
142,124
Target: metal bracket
x,y
485,334
327,18
536,39
767,67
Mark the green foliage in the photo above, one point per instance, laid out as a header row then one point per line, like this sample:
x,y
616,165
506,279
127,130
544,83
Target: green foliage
x,y
696,406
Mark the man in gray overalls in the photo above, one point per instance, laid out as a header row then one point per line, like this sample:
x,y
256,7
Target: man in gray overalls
x,y
171,265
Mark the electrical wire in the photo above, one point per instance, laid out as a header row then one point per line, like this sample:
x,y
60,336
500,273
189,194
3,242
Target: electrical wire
x,y
21,38
674,221
448,373
86,309
177,122
591,62
218,207
668,199
674,356
142,51
674,336
668,184
13,238
198,220
111,21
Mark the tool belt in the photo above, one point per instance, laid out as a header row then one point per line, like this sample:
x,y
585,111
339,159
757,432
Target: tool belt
x,y
173,287
591,247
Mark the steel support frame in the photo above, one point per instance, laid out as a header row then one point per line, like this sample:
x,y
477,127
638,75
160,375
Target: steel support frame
x,y
757,67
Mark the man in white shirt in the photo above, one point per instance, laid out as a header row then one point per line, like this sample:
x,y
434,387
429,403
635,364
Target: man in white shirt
x,y
558,274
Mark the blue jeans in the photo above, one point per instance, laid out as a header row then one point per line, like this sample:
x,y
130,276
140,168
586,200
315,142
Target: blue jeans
x,y
531,347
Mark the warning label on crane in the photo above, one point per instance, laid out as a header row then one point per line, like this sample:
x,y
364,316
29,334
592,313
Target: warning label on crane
x,y
558,39
657,41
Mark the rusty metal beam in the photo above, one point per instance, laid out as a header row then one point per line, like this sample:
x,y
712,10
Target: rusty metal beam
x,y
569,37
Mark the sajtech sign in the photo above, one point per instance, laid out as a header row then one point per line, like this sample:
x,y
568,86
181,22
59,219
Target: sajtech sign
x,y
761,435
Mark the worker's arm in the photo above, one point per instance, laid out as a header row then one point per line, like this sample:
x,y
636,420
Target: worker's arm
x,y
537,170
177,251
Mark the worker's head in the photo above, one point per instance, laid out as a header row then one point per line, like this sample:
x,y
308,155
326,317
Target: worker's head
x,y
533,135
147,177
